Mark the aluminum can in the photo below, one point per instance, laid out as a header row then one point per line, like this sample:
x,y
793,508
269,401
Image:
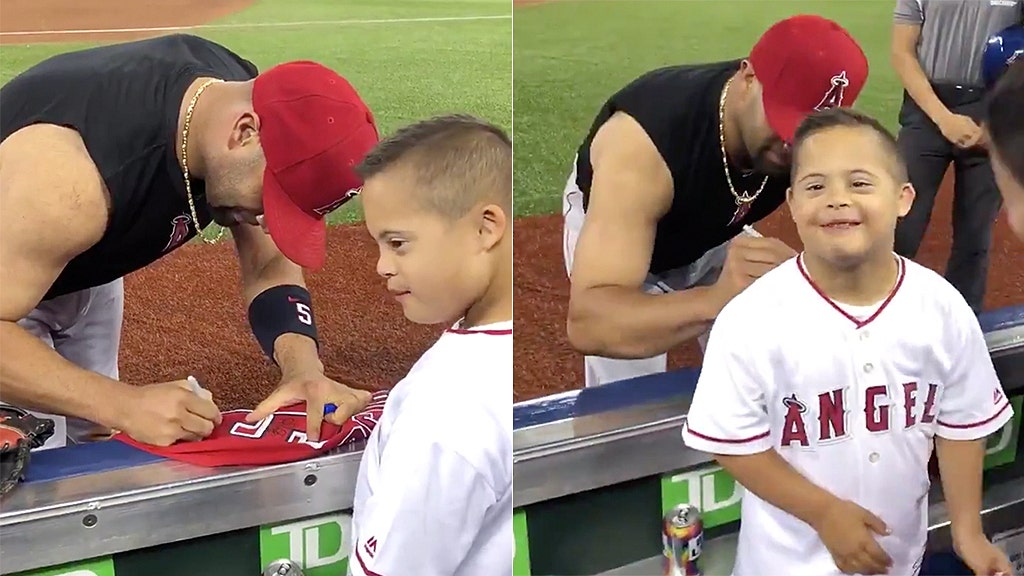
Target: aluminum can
x,y
683,538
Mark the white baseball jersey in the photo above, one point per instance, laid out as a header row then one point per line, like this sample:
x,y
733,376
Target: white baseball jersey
x,y
434,491
851,397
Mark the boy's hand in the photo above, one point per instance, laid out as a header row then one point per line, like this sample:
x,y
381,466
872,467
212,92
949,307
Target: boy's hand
x,y
848,531
983,557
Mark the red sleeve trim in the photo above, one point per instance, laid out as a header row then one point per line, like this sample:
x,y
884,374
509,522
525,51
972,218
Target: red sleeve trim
x,y
362,564
976,424
728,440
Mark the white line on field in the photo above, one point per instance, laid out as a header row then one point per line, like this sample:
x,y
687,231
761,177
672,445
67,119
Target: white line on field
x,y
255,25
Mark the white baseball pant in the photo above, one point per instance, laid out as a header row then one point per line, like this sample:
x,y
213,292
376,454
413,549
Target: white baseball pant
x,y
704,272
84,327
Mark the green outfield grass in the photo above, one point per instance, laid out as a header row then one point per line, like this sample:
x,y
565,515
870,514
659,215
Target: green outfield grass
x,y
405,69
570,56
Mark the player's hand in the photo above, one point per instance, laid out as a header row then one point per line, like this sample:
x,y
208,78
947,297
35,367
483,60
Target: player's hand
x,y
983,557
960,130
848,532
748,258
162,414
316,390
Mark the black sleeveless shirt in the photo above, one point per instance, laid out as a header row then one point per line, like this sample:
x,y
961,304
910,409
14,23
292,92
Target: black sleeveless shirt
x,y
124,102
678,108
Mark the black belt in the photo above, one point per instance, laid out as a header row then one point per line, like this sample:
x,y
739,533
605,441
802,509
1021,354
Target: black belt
x,y
957,94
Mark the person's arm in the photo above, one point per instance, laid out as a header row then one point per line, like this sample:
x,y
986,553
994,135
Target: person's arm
x,y
263,267
427,507
728,418
609,313
53,206
972,406
906,33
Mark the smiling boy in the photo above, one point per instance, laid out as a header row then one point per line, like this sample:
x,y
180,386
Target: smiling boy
x,y
828,381
434,491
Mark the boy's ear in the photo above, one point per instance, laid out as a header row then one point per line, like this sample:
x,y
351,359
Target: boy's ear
x,y
789,201
906,199
492,225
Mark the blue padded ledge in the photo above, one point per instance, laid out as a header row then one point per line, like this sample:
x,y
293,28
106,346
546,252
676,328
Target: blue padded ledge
x,y
611,396
1002,318
61,463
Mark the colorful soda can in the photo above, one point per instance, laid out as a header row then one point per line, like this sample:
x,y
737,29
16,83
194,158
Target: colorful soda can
x,y
683,538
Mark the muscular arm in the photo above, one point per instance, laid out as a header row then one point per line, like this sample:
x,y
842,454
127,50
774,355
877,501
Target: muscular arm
x,y
609,314
53,206
263,266
903,56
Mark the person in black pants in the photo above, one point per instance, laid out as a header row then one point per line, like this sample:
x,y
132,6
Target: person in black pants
x,y
936,50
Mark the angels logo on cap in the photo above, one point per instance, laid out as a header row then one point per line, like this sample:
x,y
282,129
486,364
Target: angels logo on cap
x,y
276,439
806,63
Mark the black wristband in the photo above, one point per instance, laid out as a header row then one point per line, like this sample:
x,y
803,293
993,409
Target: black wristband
x,y
281,310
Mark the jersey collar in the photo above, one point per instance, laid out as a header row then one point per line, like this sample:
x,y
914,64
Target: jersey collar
x,y
901,272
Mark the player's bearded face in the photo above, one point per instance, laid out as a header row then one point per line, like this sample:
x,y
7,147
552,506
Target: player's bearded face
x,y
426,259
768,153
844,199
234,189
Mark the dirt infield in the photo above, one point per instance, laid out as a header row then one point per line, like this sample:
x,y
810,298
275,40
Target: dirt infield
x,y
49,21
546,364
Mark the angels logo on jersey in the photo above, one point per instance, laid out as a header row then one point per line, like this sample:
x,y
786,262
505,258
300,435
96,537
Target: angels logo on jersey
x,y
833,97
179,232
794,429
827,416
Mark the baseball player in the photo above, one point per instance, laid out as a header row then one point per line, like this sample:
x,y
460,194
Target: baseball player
x,y
434,491
1005,129
675,165
112,158
826,383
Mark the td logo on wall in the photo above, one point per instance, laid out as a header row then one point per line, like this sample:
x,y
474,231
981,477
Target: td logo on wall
x,y
711,489
320,545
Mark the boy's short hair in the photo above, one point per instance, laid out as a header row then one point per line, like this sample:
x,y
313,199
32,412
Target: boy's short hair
x,y
1004,120
459,159
848,117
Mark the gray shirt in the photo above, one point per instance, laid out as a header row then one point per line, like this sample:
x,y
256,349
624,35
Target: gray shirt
x,y
954,32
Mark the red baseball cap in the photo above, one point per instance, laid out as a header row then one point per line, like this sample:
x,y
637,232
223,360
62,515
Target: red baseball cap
x,y
277,439
806,63
314,129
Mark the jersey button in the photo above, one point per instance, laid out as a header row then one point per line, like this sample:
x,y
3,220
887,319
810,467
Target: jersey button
x,y
873,457
869,367
864,335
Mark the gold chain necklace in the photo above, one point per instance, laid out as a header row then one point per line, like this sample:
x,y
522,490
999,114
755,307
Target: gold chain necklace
x,y
184,161
745,200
